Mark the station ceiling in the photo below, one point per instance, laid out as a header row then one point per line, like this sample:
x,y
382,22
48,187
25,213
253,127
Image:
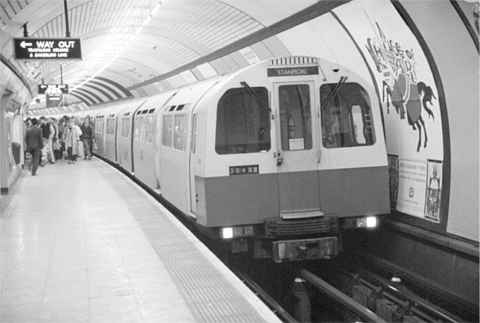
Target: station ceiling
x,y
140,47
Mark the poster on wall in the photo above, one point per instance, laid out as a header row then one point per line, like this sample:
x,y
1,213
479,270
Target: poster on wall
x,y
434,190
409,99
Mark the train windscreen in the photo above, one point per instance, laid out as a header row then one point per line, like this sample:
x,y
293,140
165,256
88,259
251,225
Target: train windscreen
x,y
243,121
346,116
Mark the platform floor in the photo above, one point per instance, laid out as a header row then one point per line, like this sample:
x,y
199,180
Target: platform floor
x,y
83,243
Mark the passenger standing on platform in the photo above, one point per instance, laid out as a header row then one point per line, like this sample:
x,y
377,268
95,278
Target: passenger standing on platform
x,y
68,139
34,144
72,137
87,137
78,145
51,139
62,124
56,140
47,133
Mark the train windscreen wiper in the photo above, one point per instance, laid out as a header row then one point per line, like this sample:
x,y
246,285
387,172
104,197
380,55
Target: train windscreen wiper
x,y
334,91
252,93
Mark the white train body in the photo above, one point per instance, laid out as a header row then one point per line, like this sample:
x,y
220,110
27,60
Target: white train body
x,y
286,151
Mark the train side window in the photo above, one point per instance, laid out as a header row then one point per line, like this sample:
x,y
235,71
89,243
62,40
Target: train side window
x,y
99,122
110,126
346,116
193,147
125,127
149,129
167,130
243,121
137,130
180,132
295,117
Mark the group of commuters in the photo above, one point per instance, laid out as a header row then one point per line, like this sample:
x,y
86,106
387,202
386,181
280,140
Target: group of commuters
x,y
48,140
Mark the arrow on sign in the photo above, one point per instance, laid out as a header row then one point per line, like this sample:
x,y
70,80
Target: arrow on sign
x,y
24,44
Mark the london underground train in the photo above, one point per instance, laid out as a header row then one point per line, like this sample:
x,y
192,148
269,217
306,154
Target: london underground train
x,y
277,158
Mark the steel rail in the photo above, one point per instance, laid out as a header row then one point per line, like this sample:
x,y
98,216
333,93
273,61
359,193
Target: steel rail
x,y
340,297
269,301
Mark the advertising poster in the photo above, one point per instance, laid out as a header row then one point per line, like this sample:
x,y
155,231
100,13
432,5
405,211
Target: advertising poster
x,y
434,190
409,99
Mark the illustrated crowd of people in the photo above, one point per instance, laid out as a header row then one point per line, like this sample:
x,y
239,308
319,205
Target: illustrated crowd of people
x,y
48,140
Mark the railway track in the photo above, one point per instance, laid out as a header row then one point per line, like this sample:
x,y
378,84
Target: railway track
x,y
361,295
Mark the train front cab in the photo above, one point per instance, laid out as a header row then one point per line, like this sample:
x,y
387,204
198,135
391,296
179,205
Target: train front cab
x,y
307,159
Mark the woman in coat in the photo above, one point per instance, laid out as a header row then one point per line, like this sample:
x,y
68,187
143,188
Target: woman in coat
x,y
71,137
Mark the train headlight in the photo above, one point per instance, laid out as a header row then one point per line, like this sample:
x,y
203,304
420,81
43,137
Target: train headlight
x,y
227,233
241,231
371,221
368,222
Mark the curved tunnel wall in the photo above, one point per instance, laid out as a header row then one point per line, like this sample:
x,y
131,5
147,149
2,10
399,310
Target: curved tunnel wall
x,y
457,59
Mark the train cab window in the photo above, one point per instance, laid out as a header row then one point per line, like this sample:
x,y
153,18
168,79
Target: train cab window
x,y
243,121
167,130
295,117
346,116
180,132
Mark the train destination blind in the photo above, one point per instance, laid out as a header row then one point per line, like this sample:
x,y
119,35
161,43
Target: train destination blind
x,y
47,48
292,71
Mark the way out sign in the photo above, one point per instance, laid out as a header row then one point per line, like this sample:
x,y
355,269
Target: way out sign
x,y
47,48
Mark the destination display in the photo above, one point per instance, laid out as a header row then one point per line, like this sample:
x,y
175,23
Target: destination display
x,y
47,48
44,88
292,71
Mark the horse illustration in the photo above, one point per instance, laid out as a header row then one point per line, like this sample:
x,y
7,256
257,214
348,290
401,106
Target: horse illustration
x,y
400,88
411,99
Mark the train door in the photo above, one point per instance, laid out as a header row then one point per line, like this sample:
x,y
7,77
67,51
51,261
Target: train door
x,y
297,148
